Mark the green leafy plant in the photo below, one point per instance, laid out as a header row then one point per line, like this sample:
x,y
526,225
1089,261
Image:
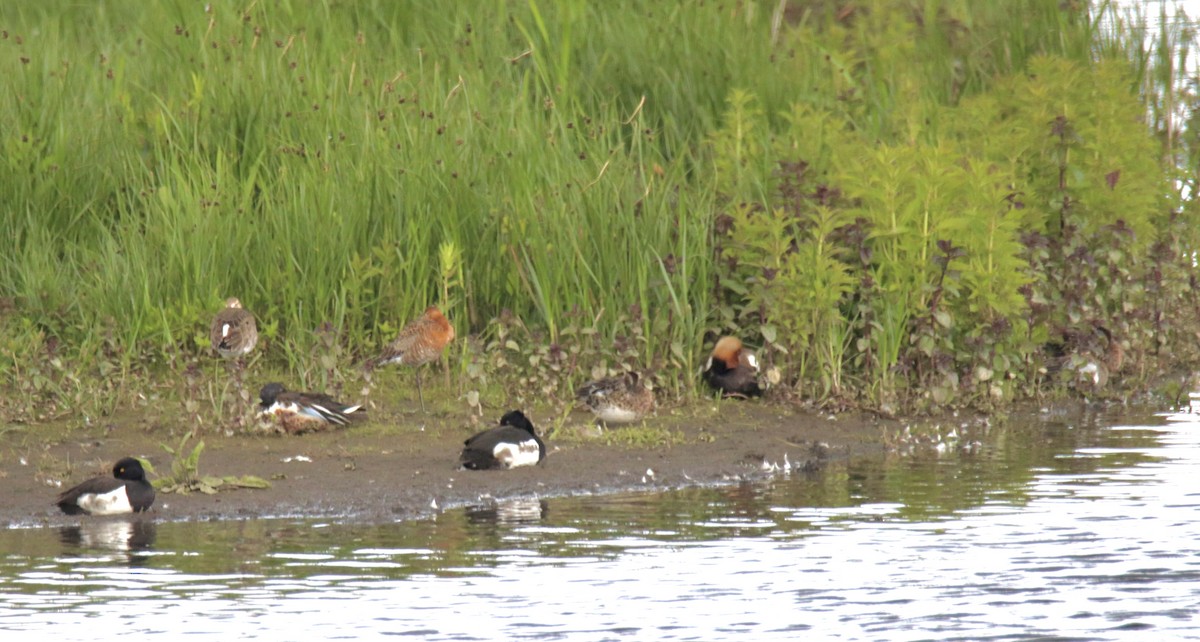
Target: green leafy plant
x,y
185,474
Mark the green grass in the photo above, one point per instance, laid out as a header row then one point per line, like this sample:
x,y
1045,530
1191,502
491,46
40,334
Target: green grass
x,y
311,161
313,158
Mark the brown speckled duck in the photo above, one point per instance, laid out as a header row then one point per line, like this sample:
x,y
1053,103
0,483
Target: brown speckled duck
x,y
617,400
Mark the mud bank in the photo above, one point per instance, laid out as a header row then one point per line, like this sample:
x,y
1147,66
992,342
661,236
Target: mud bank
x,y
405,465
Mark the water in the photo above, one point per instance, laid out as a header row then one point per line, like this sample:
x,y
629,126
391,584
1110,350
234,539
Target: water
x,y
1059,528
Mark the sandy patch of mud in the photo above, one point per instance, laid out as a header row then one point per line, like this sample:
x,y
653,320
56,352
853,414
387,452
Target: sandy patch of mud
x,y
405,465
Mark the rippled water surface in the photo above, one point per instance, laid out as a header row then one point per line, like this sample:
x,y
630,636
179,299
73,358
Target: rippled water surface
x,y
1064,527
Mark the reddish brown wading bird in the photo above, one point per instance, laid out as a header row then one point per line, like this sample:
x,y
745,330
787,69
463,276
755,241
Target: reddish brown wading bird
x,y
233,331
419,343
733,369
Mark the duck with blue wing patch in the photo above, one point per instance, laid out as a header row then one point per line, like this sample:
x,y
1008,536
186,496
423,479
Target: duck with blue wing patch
x,y
300,412
127,491
511,444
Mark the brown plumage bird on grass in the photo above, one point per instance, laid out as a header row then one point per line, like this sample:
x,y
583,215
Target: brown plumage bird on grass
x,y
420,342
234,332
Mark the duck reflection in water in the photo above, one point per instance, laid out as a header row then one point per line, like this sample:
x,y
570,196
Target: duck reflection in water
x,y
526,510
126,535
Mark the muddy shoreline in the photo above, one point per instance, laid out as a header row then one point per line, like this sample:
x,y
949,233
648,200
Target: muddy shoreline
x,y
404,465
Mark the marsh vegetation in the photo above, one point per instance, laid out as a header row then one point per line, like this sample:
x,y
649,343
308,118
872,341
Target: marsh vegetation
x,y
902,205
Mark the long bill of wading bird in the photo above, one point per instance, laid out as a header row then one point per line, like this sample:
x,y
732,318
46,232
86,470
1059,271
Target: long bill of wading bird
x,y
420,342
511,444
733,369
300,412
234,332
617,400
127,491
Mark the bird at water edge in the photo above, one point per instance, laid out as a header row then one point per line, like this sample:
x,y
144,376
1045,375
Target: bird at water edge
x,y
1093,370
511,444
127,491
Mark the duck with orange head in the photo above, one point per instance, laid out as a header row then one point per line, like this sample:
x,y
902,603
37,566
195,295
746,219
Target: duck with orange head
x,y
733,370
